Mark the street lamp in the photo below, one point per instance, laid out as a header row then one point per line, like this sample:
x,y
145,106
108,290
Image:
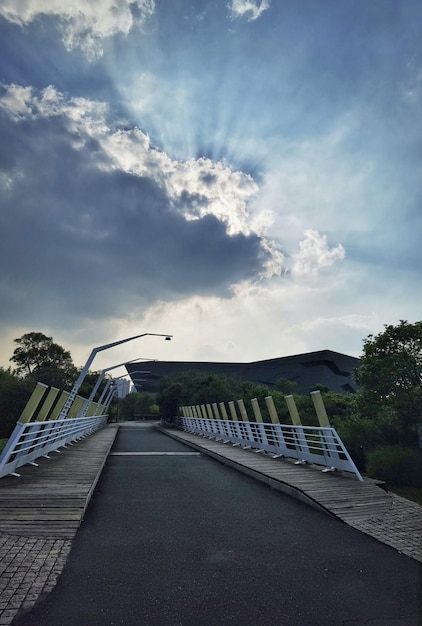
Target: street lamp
x,y
103,395
74,391
139,380
88,402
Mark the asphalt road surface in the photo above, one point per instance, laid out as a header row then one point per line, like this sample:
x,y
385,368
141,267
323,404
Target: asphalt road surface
x,y
180,539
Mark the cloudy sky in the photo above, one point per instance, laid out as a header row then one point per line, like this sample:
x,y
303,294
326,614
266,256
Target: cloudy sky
x,y
243,174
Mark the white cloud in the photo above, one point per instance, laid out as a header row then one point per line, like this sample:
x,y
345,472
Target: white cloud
x,y
252,8
314,254
84,24
81,114
259,322
198,187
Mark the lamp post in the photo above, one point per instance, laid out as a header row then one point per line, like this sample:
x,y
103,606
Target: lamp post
x,y
89,401
103,395
74,391
135,372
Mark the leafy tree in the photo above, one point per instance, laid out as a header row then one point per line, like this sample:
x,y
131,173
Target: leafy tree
x,y
339,406
390,377
140,403
89,383
321,388
192,387
170,397
40,359
285,386
14,394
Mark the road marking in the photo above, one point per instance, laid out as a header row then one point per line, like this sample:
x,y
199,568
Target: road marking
x,y
155,453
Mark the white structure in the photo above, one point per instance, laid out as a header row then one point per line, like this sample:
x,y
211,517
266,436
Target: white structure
x,y
122,387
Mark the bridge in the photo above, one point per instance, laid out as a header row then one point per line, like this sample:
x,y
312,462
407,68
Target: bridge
x,y
187,540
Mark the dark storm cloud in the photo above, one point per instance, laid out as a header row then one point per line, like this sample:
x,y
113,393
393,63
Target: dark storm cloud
x,y
80,238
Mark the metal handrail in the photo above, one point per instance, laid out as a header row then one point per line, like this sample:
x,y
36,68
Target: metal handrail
x,y
32,440
319,445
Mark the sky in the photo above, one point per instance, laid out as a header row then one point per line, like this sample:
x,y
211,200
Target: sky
x,y
245,175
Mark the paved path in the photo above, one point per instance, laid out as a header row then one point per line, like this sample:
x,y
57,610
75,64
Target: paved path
x,y
395,521
174,538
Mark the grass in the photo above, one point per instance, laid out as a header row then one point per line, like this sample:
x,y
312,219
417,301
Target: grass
x,y
410,493
2,443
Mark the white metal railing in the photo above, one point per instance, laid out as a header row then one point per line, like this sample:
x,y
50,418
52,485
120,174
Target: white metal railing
x,y
307,444
33,440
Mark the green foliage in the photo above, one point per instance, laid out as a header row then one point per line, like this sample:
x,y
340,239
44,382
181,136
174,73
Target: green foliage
x,y
285,386
397,465
321,388
304,407
14,394
191,388
390,376
39,359
89,384
362,434
140,403
196,388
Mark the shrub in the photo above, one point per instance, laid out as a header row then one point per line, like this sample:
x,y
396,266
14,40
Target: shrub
x,y
397,465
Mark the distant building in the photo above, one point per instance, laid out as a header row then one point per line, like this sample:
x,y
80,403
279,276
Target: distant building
x,y
325,367
123,387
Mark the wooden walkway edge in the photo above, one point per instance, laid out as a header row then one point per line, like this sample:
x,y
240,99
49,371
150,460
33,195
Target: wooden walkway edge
x,y
50,500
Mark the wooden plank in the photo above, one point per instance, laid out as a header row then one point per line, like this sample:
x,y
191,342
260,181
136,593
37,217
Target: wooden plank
x,y
50,500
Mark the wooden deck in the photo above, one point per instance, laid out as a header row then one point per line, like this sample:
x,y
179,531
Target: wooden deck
x,y
50,500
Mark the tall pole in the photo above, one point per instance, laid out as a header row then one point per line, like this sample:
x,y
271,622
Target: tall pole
x,y
74,391
103,395
88,402
135,372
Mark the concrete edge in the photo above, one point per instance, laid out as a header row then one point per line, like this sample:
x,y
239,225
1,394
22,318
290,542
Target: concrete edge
x,y
278,485
97,477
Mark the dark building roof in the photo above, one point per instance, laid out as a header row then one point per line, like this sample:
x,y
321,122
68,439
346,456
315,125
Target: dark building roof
x,y
325,367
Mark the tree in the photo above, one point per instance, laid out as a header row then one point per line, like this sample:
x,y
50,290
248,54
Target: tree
x,y
37,357
14,394
285,386
390,376
140,403
89,383
191,388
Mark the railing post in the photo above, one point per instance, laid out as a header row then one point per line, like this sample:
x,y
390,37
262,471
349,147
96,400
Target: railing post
x,y
277,431
260,422
210,420
32,406
329,444
34,435
235,424
245,424
33,403
301,443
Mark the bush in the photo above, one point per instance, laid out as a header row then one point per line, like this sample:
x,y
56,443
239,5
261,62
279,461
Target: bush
x,y
397,465
360,435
